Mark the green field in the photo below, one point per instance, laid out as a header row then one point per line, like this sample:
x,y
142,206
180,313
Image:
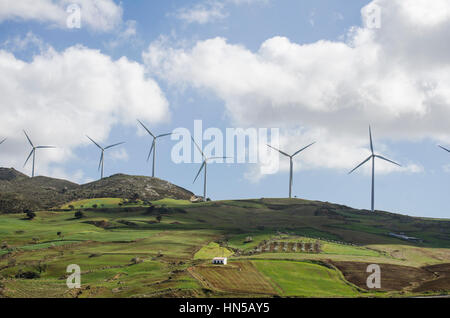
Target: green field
x,y
131,252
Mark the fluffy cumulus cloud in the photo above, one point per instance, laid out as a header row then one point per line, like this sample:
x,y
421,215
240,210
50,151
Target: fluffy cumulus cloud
x,y
396,77
98,15
58,97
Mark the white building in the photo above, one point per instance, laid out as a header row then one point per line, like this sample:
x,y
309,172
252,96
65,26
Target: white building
x,y
219,261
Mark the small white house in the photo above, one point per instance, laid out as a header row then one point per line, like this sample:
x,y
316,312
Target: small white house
x,y
219,261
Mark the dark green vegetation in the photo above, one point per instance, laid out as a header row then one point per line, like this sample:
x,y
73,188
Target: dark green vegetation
x,y
133,248
19,192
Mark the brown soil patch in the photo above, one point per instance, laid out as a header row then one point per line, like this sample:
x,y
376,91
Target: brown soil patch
x,y
240,277
393,277
442,281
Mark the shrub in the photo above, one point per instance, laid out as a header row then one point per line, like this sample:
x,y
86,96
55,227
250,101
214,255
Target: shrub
x,y
79,215
30,214
71,207
159,218
28,275
95,206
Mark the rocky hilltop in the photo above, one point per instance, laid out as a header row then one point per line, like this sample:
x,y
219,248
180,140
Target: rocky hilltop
x,y
19,192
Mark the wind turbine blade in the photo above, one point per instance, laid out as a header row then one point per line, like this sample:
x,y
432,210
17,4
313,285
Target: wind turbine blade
x,y
148,130
283,153
29,140
2,141
444,149
100,162
303,149
381,157
28,157
361,164
94,142
151,149
164,135
119,143
198,147
45,147
200,170
371,142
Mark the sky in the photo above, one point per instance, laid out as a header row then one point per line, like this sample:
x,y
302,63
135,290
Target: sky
x,y
318,71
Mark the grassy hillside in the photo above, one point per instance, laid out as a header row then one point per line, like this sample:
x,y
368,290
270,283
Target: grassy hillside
x,y
128,249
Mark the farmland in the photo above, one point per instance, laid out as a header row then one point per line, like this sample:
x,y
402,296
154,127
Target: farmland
x,y
163,248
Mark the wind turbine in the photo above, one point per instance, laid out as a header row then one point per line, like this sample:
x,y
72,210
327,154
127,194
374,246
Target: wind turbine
x,y
153,147
439,146
204,165
291,161
33,151
373,156
102,156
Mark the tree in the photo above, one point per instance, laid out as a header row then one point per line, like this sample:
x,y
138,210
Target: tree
x,y
79,215
95,206
71,207
60,235
159,218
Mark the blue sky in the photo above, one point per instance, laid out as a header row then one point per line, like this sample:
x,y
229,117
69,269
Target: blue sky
x,y
290,48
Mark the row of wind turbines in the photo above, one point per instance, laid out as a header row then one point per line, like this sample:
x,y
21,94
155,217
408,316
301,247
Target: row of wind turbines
x,y
204,165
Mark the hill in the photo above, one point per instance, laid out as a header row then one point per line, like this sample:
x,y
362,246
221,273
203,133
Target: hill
x,y
276,247
19,192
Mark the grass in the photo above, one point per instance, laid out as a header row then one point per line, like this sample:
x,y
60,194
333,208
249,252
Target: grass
x,y
305,279
212,250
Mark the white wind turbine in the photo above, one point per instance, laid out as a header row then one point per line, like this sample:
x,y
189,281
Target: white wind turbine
x,y
372,157
291,162
33,151
204,166
102,156
153,147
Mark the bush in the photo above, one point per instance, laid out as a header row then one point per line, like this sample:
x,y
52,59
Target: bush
x,y
150,209
159,218
28,275
30,214
95,206
79,215
71,207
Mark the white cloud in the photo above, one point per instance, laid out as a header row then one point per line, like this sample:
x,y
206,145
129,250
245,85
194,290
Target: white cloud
x,y
98,15
396,77
208,11
203,12
58,97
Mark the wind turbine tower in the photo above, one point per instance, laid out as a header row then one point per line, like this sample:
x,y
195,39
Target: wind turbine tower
x,y
291,163
372,157
102,156
153,147
204,166
33,152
